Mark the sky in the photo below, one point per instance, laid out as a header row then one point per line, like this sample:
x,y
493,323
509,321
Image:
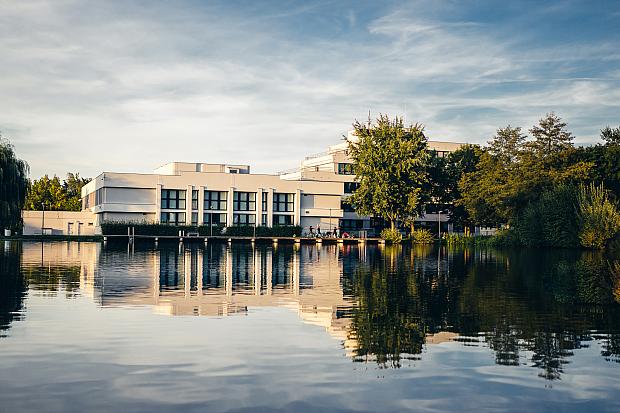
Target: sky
x,y
125,86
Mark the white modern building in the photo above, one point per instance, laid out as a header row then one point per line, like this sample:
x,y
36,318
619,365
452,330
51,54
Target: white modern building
x,y
181,193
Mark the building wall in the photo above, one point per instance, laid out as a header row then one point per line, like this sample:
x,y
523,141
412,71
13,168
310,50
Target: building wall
x,y
60,223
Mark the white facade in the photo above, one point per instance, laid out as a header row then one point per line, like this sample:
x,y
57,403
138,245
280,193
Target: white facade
x,y
199,194
59,223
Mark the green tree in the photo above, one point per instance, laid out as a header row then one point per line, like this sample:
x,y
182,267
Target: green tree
x,y
13,186
390,163
550,135
507,143
611,136
55,195
458,163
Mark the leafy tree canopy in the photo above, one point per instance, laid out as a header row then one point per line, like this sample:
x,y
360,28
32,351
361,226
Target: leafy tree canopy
x,y
611,136
13,186
390,162
54,195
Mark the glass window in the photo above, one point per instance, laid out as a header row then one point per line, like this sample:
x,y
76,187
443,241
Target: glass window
x,y
244,220
195,199
194,218
345,169
263,220
283,202
350,187
173,218
351,224
216,200
172,199
264,201
218,218
244,201
346,207
282,220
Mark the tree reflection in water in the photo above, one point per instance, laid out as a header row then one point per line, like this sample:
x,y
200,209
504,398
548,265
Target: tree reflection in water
x,y
530,308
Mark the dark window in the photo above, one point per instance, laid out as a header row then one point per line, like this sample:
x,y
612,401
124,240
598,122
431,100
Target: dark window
x,y
244,220
244,201
194,218
218,218
345,169
283,202
264,201
173,218
215,200
282,220
195,199
172,199
350,187
346,207
351,224
263,220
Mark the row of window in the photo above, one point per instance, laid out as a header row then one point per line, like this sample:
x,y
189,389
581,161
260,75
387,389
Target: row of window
x,y
219,219
218,200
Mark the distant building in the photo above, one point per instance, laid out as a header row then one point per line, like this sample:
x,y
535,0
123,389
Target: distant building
x,y
181,193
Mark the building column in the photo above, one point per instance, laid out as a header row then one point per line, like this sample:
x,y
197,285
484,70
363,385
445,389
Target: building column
x,y
270,207
158,189
229,206
297,208
259,206
201,205
188,205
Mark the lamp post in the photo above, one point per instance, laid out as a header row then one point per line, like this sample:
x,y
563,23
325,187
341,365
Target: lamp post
x,y
43,218
439,223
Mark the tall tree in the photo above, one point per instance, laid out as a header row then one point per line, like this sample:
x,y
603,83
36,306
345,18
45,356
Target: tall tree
x,y
611,136
507,143
550,135
390,163
13,186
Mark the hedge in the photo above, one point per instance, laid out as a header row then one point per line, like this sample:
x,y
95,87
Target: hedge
x,y
120,228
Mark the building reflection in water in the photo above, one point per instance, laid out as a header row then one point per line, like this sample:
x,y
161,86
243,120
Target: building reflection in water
x,y
384,303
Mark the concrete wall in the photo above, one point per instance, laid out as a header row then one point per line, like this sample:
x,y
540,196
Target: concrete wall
x,y
60,223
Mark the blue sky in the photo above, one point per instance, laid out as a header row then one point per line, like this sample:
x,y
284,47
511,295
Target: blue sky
x,y
127,86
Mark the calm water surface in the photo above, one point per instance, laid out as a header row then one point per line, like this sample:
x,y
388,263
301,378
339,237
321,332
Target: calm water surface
x,y
92,327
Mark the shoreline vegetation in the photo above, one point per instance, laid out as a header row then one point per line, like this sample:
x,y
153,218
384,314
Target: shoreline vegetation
x,y
538,190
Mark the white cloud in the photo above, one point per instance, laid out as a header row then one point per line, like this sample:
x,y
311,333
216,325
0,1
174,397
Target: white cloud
x,y
118,86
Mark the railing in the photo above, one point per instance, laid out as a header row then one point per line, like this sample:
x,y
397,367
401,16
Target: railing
x,y
316,155
288,171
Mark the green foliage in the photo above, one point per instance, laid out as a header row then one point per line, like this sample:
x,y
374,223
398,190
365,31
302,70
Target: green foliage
x,y
390,162
422,236
56,195
512,174
550,136
550,221
611,136
13,186
599,217
444,176
503,238
391,235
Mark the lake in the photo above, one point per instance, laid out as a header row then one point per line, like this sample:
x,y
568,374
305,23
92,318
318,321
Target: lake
x,y
242,328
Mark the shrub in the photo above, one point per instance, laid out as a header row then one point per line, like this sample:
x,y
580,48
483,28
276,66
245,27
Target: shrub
x,y
391,235
550,221
599,218
422,236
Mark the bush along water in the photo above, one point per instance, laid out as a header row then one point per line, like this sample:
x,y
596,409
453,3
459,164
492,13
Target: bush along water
x,y
391,235
422,236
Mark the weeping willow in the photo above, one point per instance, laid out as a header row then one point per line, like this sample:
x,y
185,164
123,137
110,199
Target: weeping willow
x,y
13,186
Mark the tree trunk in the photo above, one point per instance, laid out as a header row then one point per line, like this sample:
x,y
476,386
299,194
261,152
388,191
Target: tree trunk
x,y
392,224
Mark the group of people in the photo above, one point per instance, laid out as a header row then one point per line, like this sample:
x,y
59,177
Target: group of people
x,y
336,233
